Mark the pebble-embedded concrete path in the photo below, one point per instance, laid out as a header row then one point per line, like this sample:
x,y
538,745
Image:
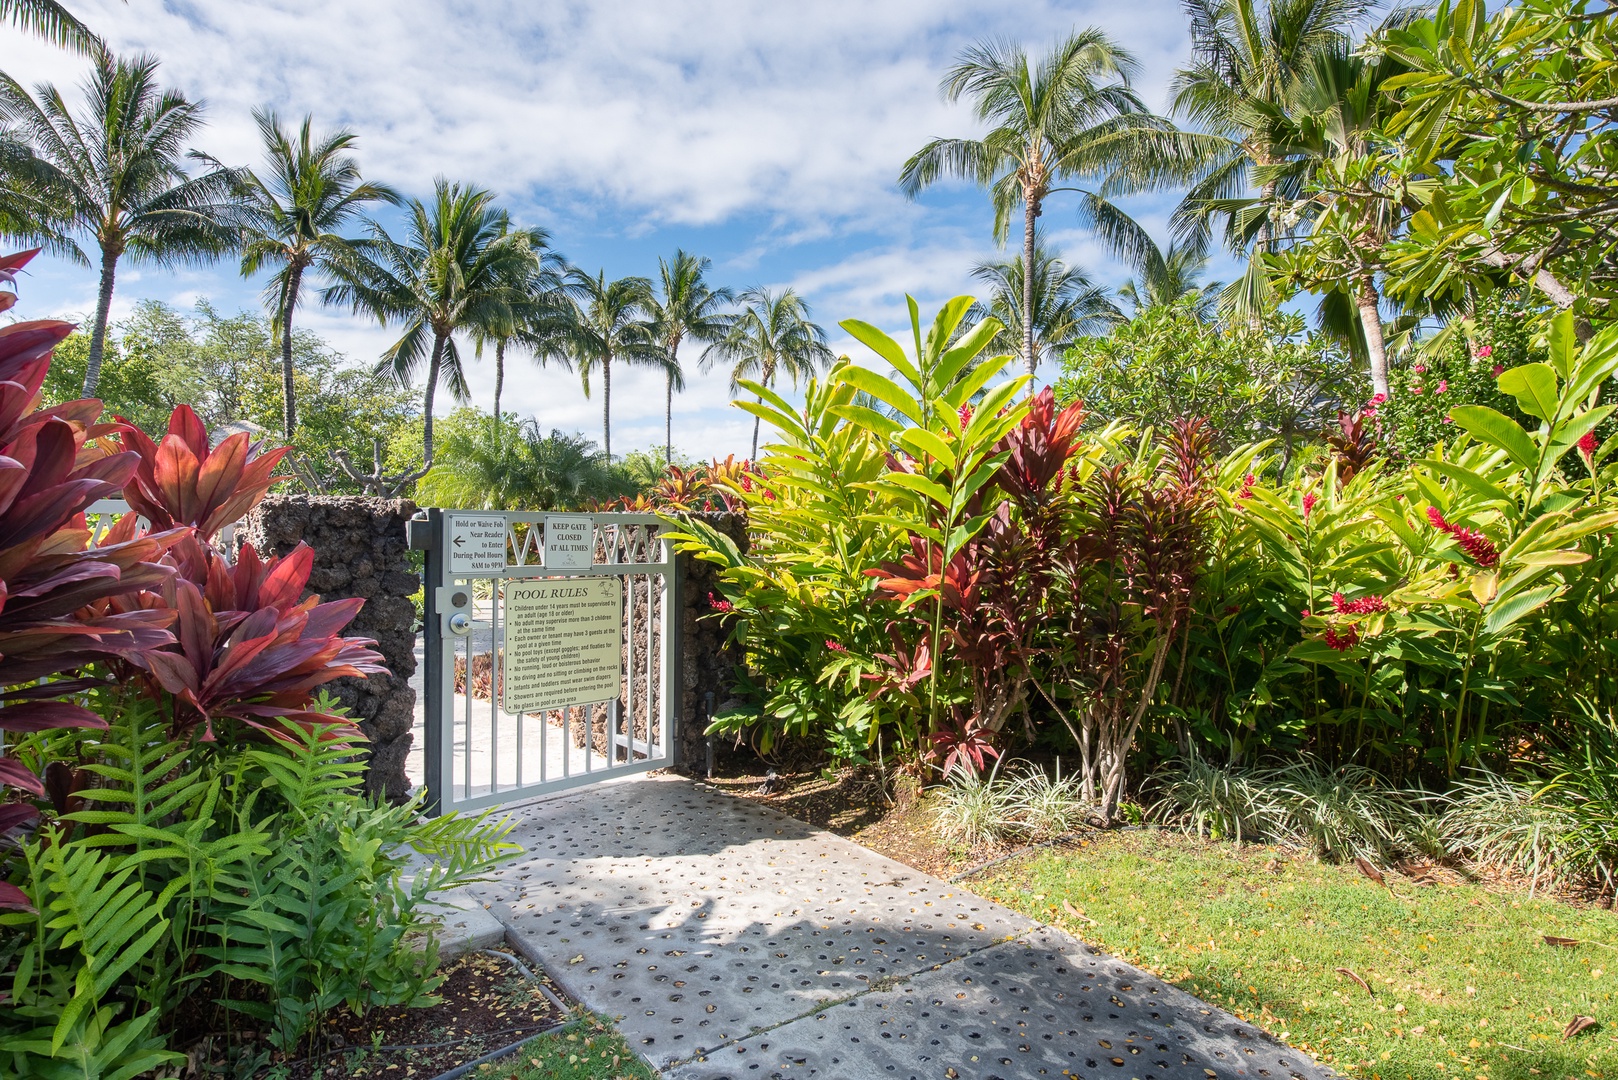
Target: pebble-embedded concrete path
x,y
738,943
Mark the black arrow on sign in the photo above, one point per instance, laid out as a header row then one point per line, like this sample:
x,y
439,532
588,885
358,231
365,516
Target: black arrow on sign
x,y
458,541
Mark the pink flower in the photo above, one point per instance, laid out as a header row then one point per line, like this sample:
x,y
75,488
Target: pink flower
x,y
1344,641
965,415
1443,385
1587,444
835,646
718,604
1379,399
1306,613
1484,352
1419,368
1415,390
1497,369
1364,605
1309,501
1479,547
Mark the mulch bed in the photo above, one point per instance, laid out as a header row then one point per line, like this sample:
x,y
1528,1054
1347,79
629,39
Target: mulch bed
x,y
887,813
486,1004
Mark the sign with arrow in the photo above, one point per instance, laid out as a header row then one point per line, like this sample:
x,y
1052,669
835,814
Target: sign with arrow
x,y
477,543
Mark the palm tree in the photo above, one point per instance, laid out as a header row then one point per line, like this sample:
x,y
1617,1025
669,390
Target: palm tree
x,y
687,308
1172,277
1071,114
609,325
311,188
1067,305
541,313
1246,56
113,173
771,336
451,274
53,22
515,466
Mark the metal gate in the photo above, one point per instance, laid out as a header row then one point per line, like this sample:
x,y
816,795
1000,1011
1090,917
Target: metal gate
x,y
492,643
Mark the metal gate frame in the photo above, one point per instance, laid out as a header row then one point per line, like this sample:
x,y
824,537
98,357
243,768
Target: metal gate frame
x,y
450,603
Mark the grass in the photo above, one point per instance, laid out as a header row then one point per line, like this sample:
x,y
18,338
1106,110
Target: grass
x,y
589,1049
1463,984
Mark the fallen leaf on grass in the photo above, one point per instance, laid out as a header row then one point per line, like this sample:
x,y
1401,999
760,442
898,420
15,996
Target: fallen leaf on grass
x,y
1560,942
1077,914
1356,978
1578,1024
1370,871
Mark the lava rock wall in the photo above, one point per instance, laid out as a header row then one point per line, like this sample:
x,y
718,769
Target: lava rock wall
x,y
360,550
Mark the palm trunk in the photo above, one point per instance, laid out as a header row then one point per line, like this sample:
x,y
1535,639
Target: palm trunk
x,y
753,456
606,406
668,422
1371,320
98,333
289,393
499,377
1030,213
427,400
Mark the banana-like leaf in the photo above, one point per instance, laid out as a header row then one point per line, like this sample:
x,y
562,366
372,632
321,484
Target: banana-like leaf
x,y
1497,429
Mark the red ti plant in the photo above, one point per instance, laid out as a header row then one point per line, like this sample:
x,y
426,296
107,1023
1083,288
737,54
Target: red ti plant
x,y
1133,550
248,647
49,473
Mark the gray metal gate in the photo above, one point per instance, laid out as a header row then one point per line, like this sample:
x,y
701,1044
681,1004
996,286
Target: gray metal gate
x,y
487,739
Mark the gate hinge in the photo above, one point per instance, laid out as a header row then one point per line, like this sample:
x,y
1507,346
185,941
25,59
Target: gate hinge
x,y
419,534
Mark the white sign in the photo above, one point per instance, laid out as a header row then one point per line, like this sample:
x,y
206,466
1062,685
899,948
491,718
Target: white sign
x,y
570,541
564,643
477,543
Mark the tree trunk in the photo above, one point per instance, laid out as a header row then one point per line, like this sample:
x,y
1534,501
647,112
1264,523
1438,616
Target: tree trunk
x,y
98,333
499,377
754,455
668,422
606,406
289,393
1030,215
1371,320
427,400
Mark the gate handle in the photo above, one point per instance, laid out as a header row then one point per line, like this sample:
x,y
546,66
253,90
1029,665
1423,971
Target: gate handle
x,y
460,624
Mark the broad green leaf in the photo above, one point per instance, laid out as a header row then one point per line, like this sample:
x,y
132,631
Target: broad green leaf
x,y
975,341
935,491
885,427
963,391
1534,387
923,443
884,390
1564,343
775,417
1497,429
1506,613
1469,479
882,345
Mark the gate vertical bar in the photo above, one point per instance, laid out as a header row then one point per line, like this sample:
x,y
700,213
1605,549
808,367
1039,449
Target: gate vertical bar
x,y
672,658
432,750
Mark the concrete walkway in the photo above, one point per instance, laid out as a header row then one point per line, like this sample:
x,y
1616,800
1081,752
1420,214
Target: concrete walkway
x,y
735,942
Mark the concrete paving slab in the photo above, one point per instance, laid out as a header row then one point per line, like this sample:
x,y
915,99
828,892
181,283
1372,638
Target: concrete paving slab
x,y
735,942
1043,1005
464,924
700,918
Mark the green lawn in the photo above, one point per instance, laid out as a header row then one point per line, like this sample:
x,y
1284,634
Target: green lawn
x,y
1464,984
588,1050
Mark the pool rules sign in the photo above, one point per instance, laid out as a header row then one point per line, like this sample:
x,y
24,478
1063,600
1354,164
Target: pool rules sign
x,y
564,643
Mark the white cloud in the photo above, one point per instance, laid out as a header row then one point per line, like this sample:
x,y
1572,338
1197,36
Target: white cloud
x,y
775,130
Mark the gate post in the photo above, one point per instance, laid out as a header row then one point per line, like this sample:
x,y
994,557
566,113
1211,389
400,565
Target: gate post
x,y
426,535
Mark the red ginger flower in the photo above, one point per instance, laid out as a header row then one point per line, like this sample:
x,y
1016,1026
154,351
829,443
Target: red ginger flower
x,y
1344,641
1479,547
720,605
835,646
965,415
1309,500
1364,605
1587,444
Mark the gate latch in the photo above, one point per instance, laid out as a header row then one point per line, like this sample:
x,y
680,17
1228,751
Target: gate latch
x,y
455,608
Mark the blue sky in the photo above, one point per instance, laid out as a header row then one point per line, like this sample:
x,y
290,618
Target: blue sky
x,y
766,136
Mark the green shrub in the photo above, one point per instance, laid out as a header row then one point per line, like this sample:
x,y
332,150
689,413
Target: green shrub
x,y
974,808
